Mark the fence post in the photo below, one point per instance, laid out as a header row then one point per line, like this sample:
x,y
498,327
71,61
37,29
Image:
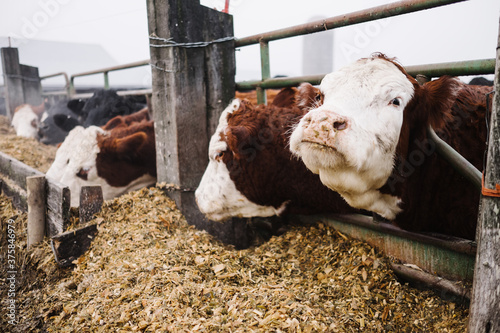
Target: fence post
x,y
485,301
36,209
191,88
32,89
12,79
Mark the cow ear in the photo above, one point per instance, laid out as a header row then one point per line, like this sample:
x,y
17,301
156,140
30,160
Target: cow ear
x,y
439,97
76,105
130,145
237,138
66,123
113,123
286,97
308,96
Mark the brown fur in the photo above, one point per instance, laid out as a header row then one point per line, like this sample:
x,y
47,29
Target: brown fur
x,y
127,151
261,164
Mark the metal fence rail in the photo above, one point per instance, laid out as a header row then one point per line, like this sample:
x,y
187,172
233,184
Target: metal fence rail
x,y
366,15
70,91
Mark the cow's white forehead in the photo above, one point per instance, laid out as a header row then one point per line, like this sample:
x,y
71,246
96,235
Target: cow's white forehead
x,y
365,80
216,144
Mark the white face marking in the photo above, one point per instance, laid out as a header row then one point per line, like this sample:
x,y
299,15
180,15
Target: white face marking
x,y
350,141
216,195
77,155
25,122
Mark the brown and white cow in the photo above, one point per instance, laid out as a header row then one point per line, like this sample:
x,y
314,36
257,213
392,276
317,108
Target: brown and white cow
x,y
368,142
251,172
25,120
120,157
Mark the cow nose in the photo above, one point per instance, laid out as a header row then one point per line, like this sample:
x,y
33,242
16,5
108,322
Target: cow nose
x,y
340,125
326,119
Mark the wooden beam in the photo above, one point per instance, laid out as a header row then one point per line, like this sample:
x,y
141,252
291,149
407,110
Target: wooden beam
x,y
191,87
90,202
58,208
485,301
12,79
36,209
14,173
32,89
70,245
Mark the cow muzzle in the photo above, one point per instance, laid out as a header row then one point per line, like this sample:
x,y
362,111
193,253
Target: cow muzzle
x,y
323,127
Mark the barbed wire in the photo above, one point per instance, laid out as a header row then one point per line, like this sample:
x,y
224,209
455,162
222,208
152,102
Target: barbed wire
x,y
169,42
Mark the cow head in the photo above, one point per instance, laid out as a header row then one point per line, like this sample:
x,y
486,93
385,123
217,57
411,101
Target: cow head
x,y
93,156
216,195
245,153
25,120
370,109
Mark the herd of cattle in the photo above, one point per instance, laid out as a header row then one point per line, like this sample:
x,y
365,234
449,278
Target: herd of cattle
x,y
356,144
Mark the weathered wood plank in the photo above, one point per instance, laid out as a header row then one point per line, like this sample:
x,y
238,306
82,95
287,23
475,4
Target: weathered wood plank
x,y
14,174
91,200
36,209
70,245
12,79
16,170
15,193
485,302
191,88
32,90
58,208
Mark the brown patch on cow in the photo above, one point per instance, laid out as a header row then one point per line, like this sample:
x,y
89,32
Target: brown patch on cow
x,y
127,152
125,121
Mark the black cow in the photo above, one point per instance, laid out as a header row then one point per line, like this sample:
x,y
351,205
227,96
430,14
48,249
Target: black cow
x,y
99,109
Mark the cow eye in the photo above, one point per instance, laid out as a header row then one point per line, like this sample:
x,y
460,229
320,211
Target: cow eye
x,y
83,173
219,155
396,101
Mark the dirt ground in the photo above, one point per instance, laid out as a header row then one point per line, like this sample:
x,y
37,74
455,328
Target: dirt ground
x,y
148,271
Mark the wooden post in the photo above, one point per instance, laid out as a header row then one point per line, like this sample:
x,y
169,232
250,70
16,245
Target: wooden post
x,y
90,202
12,79
485,302
32,90
191,88
36,209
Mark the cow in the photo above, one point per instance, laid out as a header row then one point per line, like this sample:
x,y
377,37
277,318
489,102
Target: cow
x,y
98,109
120,157
48,132
63,116
368,141
26,120
251,172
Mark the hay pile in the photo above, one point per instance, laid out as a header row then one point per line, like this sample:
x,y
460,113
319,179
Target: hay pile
x,y
147,270
29,151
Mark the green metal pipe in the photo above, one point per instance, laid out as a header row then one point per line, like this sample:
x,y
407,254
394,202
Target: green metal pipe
x,y
469,67
265,71
457,161
370,14
476,67
106,80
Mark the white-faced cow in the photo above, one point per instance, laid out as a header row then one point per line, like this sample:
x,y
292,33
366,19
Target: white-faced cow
x,y
119,156
251,172
368,142
25,120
